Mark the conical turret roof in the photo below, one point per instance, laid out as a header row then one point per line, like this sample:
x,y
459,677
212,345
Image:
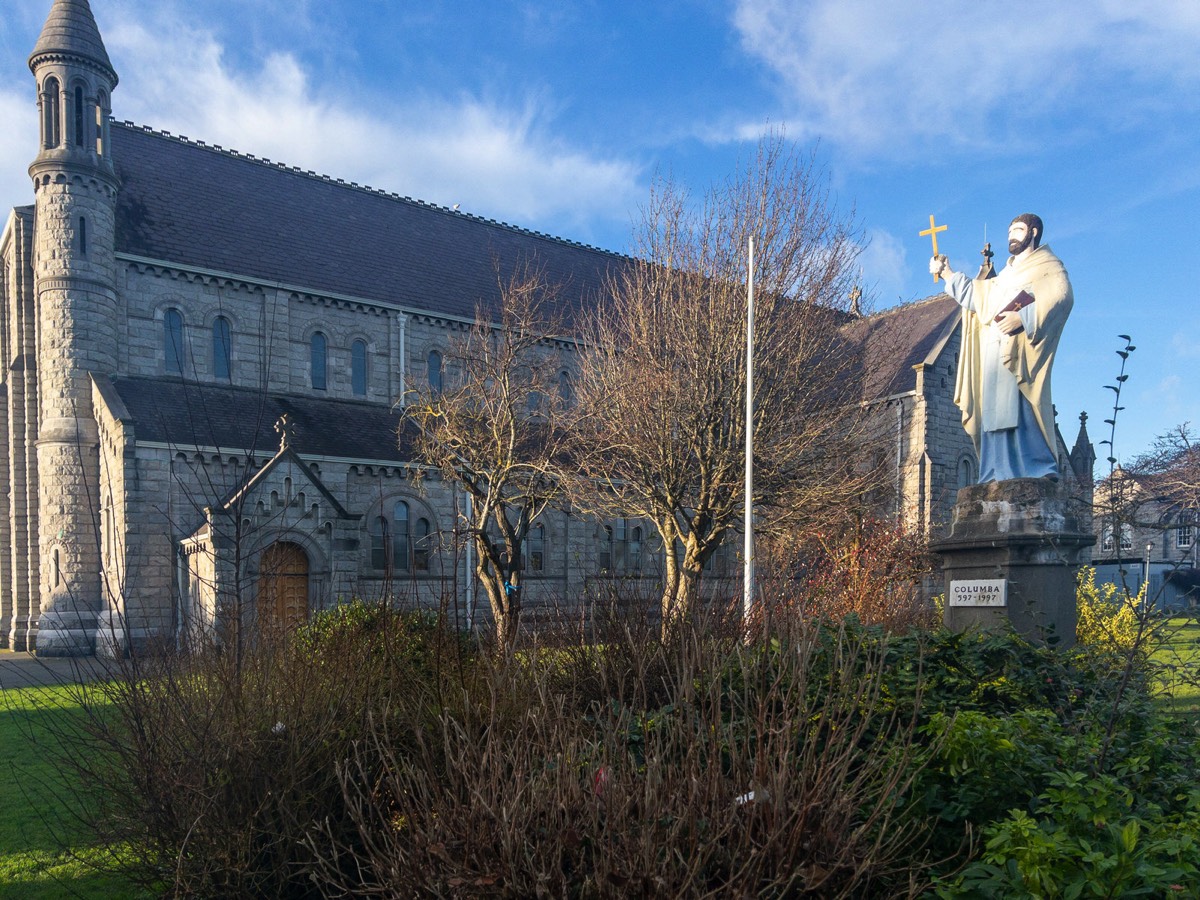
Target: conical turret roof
x,y
70,29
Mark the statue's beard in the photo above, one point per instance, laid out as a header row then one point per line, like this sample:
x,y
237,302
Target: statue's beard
x,y
1015,247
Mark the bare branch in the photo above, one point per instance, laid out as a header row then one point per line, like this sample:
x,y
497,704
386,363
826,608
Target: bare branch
x,y
663,371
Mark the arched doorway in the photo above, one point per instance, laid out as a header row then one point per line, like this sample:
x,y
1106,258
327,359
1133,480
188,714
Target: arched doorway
x,y
283,586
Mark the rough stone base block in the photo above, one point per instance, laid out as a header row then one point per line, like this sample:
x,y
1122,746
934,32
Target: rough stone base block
x,y
1022,537
65,634
115,637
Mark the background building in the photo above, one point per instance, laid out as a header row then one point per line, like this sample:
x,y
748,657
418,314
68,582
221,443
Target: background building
x,y
202,356
1146,526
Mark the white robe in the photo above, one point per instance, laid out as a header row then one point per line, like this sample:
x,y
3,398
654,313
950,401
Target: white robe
x,y
996,370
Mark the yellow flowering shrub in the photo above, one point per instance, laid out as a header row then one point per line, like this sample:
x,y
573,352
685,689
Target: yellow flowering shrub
x,y
1108,618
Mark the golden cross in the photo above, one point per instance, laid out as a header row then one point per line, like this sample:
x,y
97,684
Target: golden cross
x,y
932,231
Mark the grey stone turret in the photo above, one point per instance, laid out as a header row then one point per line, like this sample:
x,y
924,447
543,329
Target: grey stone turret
x,y
70,30
75,189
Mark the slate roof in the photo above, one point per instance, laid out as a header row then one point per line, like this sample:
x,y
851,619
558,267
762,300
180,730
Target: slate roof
x,y
185,202
184,413
895,340
71,29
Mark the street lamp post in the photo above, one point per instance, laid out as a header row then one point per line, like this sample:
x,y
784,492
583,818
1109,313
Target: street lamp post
x,y
1146,573
748,585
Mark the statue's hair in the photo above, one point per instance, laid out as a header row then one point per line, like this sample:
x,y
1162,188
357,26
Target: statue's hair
x,y
1031,221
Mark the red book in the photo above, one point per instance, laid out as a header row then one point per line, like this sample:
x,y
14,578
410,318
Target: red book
x,y
1017,304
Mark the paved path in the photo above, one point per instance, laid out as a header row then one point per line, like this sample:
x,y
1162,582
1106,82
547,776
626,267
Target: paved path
x,y
26,670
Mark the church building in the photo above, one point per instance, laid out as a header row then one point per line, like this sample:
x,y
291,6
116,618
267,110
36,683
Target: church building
x,y
202,355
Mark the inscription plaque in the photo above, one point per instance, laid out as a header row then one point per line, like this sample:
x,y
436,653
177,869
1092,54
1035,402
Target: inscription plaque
x,y
979,592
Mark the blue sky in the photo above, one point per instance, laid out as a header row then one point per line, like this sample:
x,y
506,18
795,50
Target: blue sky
x,y
557,116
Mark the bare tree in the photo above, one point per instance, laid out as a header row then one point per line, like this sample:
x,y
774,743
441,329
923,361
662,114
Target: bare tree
x,y
496,430
1173,464
663,366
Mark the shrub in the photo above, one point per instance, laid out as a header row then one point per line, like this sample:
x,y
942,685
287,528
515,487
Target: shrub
x,y
214,770
382,754
762,771
1088,837
1108,618
873,571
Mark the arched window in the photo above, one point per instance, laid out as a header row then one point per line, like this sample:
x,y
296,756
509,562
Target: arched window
x,y
421,542
379,543
400,544
78,116
566,393
966,472
635,549
51,122
434,371
621,547
605,560
222,348
318,347
537,548
401,555
101,104
358,368
109,533
173,341
718,563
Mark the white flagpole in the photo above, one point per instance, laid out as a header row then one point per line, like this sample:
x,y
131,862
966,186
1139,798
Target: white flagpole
x,y
748,586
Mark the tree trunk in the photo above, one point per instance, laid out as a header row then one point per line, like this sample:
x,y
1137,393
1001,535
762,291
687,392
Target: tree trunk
x,y
681,589
679,600
506,605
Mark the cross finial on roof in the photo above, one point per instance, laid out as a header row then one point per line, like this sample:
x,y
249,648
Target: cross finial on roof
x,y
287,431
987,270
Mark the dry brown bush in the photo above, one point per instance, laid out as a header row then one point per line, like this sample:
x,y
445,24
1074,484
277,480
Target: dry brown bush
x,y
764,770
872,570
210,772
381,755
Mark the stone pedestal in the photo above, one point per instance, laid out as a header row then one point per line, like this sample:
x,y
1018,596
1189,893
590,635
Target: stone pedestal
x,y
1010,558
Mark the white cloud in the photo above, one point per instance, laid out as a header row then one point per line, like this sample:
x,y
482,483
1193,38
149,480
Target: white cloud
x,y
493,160
884,265
18,146
1184,344
1168,396
875,74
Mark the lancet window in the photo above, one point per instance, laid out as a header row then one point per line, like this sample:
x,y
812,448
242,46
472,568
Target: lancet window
x,y
222,353
173,341
318,351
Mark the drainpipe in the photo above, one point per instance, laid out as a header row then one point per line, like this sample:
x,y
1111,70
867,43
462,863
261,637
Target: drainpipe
x,y
566,545
899,460
401,352
470,556
926,500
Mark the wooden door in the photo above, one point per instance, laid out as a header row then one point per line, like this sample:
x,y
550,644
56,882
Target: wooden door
x,y
283,586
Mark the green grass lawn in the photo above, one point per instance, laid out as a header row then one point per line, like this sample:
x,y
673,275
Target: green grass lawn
x,y
45,852
1180,658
